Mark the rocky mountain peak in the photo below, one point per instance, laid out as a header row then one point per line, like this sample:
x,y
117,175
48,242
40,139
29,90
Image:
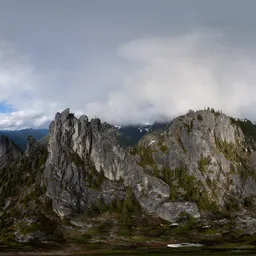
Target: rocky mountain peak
x,y
8,151
198,166
77,148
213,152
31,146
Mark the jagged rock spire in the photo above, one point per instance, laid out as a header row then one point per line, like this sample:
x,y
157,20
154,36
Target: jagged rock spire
x,y
8,151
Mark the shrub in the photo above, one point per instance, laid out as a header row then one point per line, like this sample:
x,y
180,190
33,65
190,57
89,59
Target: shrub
x,y
146,157
189,126
203,163
43,158
76,159
227,149
164,149
182,145
199,118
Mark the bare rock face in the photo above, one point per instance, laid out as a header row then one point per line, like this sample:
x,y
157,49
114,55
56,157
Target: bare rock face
x,y
78,148
172,210
201,164
8,151
31,146
208,158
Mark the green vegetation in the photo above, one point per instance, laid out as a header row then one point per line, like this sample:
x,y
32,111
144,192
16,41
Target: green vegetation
x,y
248,129
249,201
205,204
93,178
231,204
215,112
42,157
199,118
193,190
245,172
228,149
127,212
131,211
164,149
203,163
76,159
232,154
19,137
146,155
189,224
20,174
189,126
182,145
22,180
166,175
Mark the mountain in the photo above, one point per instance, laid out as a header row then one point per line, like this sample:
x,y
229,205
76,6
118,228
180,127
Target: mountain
x,y
212,153
9,152
129,135
19,137
193,180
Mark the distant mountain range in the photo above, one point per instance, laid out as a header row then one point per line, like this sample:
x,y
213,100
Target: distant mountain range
x,y
19,137
130,135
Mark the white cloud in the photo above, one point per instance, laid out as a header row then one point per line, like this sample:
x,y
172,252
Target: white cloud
x,y
19,119
182,72
154,78
21,89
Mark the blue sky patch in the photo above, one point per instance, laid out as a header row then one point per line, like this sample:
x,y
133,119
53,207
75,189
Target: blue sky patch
x,y
5,108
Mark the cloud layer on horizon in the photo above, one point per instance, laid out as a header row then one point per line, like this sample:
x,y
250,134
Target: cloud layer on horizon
x,y
153,78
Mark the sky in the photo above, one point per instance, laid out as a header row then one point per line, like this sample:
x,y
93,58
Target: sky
x,y
125,62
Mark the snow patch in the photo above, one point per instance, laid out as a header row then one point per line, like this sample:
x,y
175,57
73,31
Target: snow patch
x,y
151,142
174,225
184,245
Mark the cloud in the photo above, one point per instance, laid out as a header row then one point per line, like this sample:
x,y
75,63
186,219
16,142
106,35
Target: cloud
x,y
176,73
21,119
149,79
21,91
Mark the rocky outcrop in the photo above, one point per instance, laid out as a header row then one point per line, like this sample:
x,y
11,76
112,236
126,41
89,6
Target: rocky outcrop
x,y
78,149
172,210
208,158
8,152
31,146
201,165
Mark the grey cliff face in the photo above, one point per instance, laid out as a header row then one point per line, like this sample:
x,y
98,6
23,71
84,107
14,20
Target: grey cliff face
x,y
31,146
198,166
66,179
213,152
171,210
94,146
8,152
